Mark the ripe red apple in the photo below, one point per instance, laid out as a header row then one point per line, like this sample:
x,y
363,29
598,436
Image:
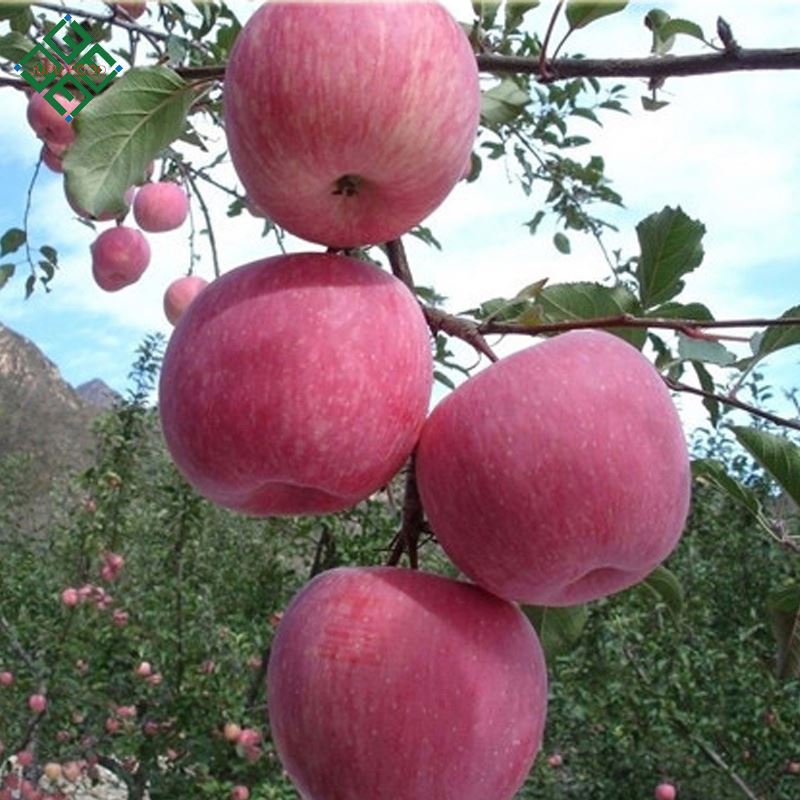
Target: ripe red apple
x,y
37,703
665,791
6,678
559,474
348,123
144,670
47,123
51,160
793,768
69,597
296,385
161,206
240,793
180,293
394,684
135,8
119,257
555,760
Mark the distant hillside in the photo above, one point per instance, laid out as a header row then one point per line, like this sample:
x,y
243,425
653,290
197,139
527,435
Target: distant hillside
x,y
45,424
97,393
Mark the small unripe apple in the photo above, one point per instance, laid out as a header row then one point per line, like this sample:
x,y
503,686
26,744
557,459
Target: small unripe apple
x,y
665,791
150,728
6,678
555,760
144,670
112,725
180,293
155,679
231,732
120,256
70,597
37,703
120,618
47,122
53,771
161,206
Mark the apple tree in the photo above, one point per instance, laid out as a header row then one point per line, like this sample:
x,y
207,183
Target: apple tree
x,y
298,386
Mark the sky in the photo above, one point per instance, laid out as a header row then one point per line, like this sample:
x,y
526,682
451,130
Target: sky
x,y
725,150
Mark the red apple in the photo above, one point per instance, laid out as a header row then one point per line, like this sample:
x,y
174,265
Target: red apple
x,y
69,597
559,474
665,791
71,771
119,257
47,123
161,206
37,703
180,293
6,678
296,385
793,768
25,758
348,123
134,8
394,684
144,670
240,793
555,760
51,160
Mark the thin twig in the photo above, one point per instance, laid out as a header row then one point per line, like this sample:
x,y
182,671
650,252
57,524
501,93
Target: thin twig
x,y
209,227
733,402
27,215
109,18
542,60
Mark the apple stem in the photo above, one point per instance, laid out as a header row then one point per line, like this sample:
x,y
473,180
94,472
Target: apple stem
x,y
348,185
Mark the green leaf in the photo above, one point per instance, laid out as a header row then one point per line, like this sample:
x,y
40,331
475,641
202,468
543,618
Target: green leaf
x,y
426,235
559,629
676,26
516,10
503,103
49,253
443,379
14,46
712,472
120,132
690,349
776,337
562,243
651,104
30,285
671,245
6,273
779,457
581,12
12,240
783,610
579,301
486,11
687,311
707,384
664,584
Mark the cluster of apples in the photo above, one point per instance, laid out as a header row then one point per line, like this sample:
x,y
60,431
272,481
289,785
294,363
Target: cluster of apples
x,y
120,254
301,384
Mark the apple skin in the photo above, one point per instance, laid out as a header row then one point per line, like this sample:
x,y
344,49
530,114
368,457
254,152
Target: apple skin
x,y
296,385
665,791
160,207
557,475
180,293
395,684
47,123
51,160
385,93
120,255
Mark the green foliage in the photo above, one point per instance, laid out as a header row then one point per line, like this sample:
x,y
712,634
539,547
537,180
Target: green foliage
x,y
121,131
582,12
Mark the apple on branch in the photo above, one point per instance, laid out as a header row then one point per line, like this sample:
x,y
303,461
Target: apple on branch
x,y
394,684
348,123
120,256
559,474
296,385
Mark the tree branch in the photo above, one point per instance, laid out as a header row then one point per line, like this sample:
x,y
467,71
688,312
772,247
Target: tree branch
x,y
407,540
110,18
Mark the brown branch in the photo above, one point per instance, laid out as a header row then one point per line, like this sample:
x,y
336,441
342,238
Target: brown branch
x,y
651,67
733,402
413,521
212,241
687,326
109,18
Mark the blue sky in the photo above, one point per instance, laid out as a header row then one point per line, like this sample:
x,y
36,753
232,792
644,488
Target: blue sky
x,y
725,149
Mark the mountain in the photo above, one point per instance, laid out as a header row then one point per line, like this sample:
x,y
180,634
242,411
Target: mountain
x,y
98,394
45,424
